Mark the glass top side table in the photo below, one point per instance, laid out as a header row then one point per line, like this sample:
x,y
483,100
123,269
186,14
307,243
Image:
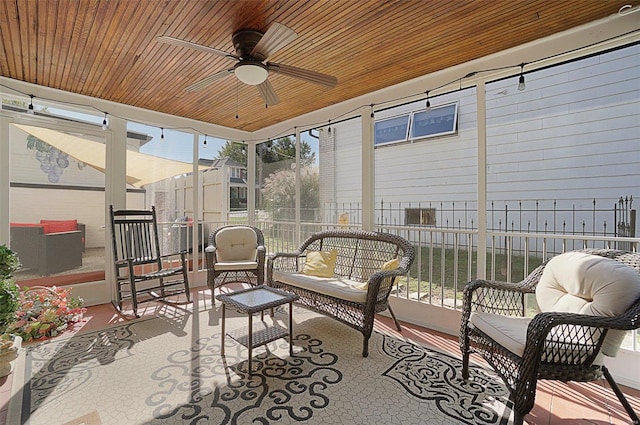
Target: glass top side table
x,y
251,301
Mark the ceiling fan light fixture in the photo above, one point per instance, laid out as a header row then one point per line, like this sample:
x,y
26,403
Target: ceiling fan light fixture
x,y
251,73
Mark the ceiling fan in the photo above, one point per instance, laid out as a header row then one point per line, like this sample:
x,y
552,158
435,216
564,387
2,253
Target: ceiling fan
x,y
252,50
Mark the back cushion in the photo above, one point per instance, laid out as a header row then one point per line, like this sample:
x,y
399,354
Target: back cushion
x,y
320,263
583,283
58,226
236,244
44,227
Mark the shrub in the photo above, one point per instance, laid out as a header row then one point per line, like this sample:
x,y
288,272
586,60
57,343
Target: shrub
x,y
9,262
9,291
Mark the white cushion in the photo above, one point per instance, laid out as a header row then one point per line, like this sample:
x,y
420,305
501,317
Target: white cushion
x,y
511,333
577,282
237,243
344,289
235,265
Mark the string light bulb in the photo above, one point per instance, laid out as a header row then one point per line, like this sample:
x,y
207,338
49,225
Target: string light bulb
x,y
521,86
162,133
521,83
205,142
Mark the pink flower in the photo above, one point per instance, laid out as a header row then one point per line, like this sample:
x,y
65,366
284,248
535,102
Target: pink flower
x,y
45,312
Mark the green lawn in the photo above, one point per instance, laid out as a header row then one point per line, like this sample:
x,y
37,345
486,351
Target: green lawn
x,y
431,282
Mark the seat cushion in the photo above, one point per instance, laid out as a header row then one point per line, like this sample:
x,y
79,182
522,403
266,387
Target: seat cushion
x,y
511,333
578,282
237,243
228,266
341,288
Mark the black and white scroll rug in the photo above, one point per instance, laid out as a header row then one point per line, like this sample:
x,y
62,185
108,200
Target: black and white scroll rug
x,y
169,371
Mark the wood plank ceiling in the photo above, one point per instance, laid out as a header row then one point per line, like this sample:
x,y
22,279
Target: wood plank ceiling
x,y
107,48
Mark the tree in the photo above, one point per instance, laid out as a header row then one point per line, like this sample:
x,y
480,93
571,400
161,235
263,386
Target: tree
x,y
282,149
273,158
279,193
234,151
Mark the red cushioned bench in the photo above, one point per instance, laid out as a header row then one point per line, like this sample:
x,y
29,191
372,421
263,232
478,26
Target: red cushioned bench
x,y
51,246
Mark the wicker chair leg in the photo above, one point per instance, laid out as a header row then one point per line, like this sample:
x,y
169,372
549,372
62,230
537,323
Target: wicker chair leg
x,y
365,347
465,356
395,320
518,419
623,400
465,365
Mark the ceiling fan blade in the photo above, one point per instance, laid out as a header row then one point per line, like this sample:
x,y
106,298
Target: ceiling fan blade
x,y
208,80
182,43
268,93
304,74
276,37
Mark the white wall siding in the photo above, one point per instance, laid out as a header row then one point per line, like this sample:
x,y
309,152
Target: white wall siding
x,y
348,161
572,135
575,138
433,169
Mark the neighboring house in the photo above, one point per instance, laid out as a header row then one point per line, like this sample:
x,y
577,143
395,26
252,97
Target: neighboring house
x,y
571,136
237,180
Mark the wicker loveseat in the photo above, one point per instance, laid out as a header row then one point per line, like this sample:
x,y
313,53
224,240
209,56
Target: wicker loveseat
x,y
588,299
357,287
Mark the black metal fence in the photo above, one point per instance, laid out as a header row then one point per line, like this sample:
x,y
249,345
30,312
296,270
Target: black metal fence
x,y
605,218
601,218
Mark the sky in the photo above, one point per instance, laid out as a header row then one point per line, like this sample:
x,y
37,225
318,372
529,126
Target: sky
x,y
176,145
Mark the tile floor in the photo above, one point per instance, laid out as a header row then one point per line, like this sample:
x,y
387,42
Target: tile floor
x,y
556,403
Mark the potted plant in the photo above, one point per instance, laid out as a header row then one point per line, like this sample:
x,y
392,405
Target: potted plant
x,y
9,304
33,314
45,312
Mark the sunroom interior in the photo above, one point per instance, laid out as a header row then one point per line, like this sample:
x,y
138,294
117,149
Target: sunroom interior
x,y
492,136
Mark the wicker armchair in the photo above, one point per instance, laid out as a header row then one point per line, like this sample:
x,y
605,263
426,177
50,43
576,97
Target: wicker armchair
x,y
556,345
235,254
